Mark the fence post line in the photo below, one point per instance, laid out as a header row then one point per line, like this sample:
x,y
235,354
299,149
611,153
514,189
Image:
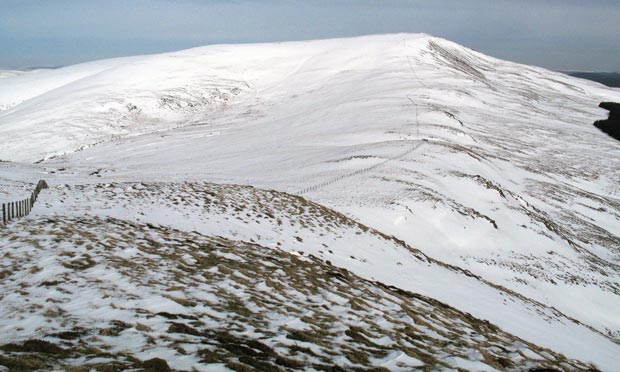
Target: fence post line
x,y
21,208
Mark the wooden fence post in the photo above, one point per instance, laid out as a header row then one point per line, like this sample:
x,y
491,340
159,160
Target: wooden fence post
x,y
3,214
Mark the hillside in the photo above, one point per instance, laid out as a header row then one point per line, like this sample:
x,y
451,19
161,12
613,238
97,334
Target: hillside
x,y
110,295
423,165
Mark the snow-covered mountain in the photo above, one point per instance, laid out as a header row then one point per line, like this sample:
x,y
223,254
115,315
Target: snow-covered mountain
x,y
9,73
437,170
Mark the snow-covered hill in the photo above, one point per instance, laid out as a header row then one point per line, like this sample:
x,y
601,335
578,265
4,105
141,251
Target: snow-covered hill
x,y
9,73
108,294
491,171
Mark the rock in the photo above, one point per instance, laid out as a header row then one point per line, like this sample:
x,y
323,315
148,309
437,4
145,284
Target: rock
x,y
155,365
183,328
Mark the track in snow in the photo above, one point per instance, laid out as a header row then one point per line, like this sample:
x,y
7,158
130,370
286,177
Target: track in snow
x,y
397,157
359,171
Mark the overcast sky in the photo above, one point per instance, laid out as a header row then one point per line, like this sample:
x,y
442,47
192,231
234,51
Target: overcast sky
x,y
558,34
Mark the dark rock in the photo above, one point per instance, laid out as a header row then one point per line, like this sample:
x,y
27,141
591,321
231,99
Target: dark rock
x,y
183,328
168,315
611,126
69,335
155,365
175,316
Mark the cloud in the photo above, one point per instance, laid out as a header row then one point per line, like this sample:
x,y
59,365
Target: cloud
x,y
522,30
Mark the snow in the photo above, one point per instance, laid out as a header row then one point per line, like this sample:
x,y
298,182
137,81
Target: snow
x,y
478,163
9,73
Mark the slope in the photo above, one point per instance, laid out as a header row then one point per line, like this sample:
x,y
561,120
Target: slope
x,y
486,165
108,294
294,225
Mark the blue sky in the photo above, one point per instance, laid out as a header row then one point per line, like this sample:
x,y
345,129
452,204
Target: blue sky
x,y
558,34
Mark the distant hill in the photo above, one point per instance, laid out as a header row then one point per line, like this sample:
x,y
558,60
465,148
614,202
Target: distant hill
x,y
611,79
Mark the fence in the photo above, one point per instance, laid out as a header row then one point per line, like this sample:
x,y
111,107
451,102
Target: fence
x,y
22,208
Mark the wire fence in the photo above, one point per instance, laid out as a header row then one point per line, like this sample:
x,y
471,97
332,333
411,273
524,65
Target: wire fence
x,y
21,208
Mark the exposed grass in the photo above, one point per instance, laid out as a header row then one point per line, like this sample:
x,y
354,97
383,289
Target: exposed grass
x,y
342,322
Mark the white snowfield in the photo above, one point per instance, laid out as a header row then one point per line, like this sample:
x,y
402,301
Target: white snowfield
x,y
9,73
482,164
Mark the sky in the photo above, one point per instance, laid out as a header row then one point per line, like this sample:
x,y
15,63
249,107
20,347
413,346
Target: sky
x,y
563,35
